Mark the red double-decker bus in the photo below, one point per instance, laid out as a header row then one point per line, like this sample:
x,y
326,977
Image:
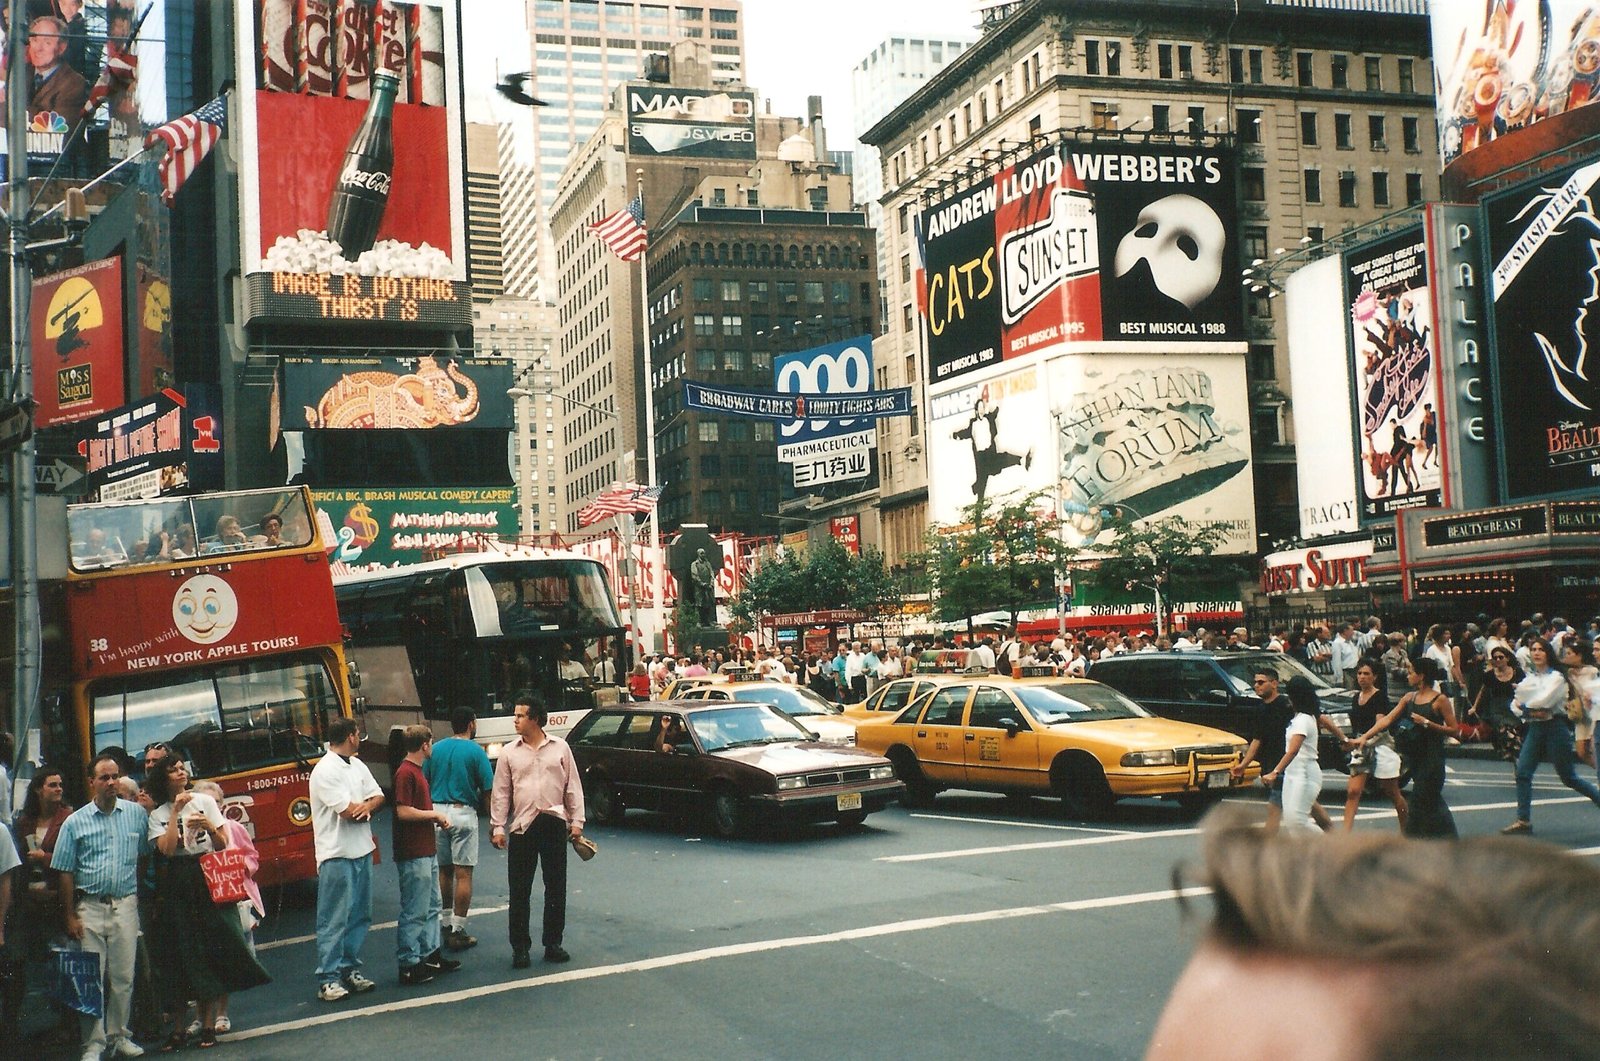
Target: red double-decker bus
x,y
207,623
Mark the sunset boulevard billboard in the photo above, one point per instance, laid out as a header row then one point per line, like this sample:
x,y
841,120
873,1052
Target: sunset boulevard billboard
x,y
1394,366
1115,246
1544,279
350,163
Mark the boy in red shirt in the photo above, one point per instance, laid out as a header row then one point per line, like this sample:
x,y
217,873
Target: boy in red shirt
x,y
416,858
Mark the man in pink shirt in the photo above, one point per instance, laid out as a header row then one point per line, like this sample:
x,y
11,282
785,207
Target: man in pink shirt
x,y
535,810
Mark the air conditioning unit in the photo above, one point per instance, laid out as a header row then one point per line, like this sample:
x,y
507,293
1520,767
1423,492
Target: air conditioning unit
x,y
1380,145
1186,75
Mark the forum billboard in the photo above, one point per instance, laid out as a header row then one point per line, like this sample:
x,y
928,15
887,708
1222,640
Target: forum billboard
x,y
1157,435
1116,246
350,156
1502,68
1544,265
1394,367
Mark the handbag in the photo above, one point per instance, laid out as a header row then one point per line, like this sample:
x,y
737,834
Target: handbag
x,y
1406,733
73,979
1577,711
225,872
585,847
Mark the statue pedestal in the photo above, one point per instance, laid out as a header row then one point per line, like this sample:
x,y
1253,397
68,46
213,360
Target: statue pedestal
x,y
707,637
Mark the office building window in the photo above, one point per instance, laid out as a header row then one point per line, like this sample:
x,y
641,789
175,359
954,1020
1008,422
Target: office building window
x,y
1341,71
1408,76
705,360
1314,233
1347,189
1249,122
1254,180
814,291
702,288
1263,362
732,324
758,290
1091,57
1197,120
1343,137
1302,70
1102,115
1256,68
1377,130
730,290
1380,188
710,431
1411,135
1374,67
1165,67
1313,185
705,324
1113,59
1160,118
1413,189
1254,241
1308,128
1186,60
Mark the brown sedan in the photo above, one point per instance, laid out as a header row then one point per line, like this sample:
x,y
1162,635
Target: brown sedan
x,y
742,763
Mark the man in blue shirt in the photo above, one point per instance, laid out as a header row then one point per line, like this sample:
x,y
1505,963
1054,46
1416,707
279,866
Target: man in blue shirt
x,y
97,854
458,775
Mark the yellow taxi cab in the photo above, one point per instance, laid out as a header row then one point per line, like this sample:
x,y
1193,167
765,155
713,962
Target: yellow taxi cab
x,y
1072,738
675,689
890,698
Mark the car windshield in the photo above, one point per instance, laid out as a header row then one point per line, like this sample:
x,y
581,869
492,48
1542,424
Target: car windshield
x,y
1241,670
743,727
1086,702
792,699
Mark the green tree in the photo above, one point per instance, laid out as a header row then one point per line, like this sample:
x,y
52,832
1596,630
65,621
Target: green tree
x,y
1169,556
1001,557
821,577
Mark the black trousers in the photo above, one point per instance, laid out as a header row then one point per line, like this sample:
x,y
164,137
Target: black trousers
x,y
545,839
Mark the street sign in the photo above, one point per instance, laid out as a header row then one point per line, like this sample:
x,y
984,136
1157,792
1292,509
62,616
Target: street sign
x,y
16,424
59,477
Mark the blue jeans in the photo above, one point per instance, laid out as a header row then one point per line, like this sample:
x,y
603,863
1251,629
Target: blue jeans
x,y
1548,740
418,934
344,913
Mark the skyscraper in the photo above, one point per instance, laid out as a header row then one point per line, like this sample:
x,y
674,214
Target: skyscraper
x,y
584,48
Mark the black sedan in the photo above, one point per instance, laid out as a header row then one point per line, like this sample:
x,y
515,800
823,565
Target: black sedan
x,y
740,763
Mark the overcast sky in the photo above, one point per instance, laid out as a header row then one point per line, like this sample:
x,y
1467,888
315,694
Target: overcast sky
x,y
792,49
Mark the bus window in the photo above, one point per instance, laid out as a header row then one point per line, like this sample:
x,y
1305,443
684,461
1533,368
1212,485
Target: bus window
x,y
136,713
523,598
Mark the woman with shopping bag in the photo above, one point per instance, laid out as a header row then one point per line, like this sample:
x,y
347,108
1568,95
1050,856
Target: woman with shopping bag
x,y
196,942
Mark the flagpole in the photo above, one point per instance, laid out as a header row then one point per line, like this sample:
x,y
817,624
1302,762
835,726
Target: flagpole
x,y
630,571
657,592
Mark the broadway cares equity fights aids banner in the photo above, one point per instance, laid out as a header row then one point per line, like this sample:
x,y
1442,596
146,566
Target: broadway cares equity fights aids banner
x,y
319,120
1121,246
1394,366
1506,65
1545,281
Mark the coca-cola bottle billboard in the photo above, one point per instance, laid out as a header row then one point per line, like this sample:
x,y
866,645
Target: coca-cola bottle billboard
x,y
361,191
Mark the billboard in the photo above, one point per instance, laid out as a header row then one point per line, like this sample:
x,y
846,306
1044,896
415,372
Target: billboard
x,y
76,325
690,122
1544,262
350,156
1504,67
1319,365
827,451
418,393
1394,367
1159,435
376,529
138,447
986,441
1118,246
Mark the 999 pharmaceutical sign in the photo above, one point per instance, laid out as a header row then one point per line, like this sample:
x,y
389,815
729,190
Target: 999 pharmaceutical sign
x,y
1114,245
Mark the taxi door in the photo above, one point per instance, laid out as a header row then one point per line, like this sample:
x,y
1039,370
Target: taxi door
x,y
997,760
938,736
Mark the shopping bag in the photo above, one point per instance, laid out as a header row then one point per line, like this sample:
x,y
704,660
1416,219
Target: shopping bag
x,y
73,979
225,872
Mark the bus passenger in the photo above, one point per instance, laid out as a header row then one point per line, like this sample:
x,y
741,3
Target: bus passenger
x,y
272,530
229,535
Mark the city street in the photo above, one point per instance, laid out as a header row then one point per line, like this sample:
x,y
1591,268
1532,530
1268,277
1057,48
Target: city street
x,y
980,924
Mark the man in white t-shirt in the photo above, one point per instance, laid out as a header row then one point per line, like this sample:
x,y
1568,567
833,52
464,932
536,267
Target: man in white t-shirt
x,y
855,675
983,655
344,797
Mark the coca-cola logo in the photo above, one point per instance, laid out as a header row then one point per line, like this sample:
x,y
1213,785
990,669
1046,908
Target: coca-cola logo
x,y
373,180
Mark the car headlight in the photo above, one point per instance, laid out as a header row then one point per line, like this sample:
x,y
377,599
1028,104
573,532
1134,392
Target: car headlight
x,y
1163,757
881,773
793,782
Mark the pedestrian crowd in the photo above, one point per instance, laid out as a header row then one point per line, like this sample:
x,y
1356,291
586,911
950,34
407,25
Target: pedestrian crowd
x,y
126,876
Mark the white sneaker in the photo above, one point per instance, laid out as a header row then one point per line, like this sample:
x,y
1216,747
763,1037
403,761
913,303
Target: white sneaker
x,y
126,1048
333,991
358,983
93,1053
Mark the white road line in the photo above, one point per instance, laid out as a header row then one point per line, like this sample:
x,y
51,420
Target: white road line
x,y
293,940
733,950
1585,851
1019,825
1085,841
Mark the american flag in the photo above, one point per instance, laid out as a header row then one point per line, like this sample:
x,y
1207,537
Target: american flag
x,y
624,230
627,497
189,140
122,67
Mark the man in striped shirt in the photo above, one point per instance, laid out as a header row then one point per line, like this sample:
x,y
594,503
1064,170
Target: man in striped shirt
x,y
97,854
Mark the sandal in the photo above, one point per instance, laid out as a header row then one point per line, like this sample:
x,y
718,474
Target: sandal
x,y
176,1041
224,1025
208,1038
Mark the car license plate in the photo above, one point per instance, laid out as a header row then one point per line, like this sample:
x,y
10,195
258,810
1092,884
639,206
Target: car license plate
x,y
849,800
1217,779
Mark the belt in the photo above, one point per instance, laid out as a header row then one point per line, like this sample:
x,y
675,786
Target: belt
x,y
451,803
81,895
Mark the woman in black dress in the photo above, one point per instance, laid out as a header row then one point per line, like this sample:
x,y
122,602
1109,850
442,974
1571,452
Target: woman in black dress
x,y
1372,752
1492,705
1433,719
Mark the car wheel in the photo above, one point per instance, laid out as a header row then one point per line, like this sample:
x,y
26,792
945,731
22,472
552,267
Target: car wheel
x,y
1081,786
727,813
605,802
918,792
852,819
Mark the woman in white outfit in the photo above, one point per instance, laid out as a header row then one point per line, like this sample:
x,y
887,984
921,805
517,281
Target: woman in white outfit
x,y
1302,777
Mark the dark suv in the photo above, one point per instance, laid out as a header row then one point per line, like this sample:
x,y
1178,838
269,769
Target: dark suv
x,y
1214,689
